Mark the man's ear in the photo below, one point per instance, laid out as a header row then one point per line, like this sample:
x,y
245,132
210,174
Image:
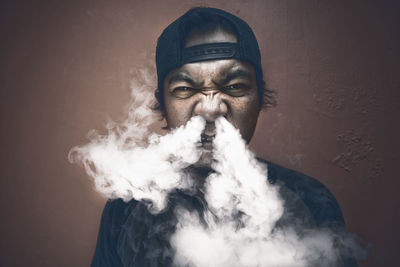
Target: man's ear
x,y
159,105
157,95
267,97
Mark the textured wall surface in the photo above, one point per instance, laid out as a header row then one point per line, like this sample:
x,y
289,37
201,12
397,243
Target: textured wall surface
x,y
65,68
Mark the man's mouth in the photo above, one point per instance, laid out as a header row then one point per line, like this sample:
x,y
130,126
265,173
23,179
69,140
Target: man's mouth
x,y
206,141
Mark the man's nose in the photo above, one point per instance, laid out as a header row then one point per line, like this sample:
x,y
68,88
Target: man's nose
x,y
211,105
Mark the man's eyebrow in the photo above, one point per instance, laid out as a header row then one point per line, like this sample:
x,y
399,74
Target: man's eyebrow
x,y
237,73
182,77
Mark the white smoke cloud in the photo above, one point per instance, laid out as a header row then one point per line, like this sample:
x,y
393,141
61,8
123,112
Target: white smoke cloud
x,y
130,162
242,208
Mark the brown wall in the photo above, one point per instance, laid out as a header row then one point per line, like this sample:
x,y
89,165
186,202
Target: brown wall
x,y
66,67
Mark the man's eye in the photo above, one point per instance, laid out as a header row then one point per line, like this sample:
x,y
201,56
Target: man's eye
x,y
236,89
183,91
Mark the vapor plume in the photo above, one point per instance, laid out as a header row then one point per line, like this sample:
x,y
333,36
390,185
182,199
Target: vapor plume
x,y
131,163
243,209
238,224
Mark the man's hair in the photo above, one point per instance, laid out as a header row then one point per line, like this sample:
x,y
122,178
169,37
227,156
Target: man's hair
x,y
207,20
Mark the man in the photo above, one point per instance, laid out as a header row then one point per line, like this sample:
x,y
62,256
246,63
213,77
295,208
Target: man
x,y
208,65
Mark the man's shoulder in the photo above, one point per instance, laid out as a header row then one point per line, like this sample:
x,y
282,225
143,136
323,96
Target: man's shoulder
x,y
315,195
117,210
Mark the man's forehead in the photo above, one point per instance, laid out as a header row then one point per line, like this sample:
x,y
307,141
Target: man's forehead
x,y
217,65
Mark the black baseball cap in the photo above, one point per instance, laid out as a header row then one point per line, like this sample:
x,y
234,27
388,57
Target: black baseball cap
x,y
171,52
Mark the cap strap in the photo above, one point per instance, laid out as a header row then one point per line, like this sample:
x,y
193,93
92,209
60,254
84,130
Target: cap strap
x,y
208,52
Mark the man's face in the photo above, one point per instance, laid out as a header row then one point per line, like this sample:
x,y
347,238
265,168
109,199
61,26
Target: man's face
x,y
214,88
